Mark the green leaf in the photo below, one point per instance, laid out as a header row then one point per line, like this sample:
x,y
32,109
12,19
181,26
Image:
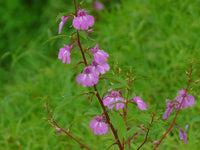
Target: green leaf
x,y
118,79
131,132
55,37
118,123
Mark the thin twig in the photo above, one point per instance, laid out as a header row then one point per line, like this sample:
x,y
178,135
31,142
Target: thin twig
x,y
146,138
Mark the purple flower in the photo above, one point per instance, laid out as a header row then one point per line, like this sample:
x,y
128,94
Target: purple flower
x,y
90,77
83,21
63,20
188,100
98,126
101,68
114,97
65,53
169,109
183,135
100,56
98,5
140,103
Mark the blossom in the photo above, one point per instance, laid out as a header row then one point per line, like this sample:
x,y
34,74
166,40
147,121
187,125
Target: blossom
x,y
98,5
183,135
188,99
101,68
140,103
100,56
83,21
65,53
90,77
98,126
63,20
169,109
114,97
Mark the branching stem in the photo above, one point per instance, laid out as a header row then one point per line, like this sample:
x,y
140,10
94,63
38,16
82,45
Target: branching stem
x,y
173,122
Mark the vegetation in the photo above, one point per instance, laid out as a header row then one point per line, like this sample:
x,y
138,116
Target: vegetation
x,y
157,38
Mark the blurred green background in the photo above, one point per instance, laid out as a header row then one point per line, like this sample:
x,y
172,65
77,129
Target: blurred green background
x,y
157,38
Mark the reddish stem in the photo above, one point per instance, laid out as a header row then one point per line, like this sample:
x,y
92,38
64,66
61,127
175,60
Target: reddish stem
x,y
173,122
125,109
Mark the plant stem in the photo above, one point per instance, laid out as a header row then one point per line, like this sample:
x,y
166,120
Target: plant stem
x,y
173,122
97,93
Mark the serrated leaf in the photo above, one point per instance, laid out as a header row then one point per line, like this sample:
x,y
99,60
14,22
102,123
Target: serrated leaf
x,y
79,118
118,79
118,123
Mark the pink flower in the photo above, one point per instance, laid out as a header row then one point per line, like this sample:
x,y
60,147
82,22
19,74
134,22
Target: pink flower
x,y
183,135
63,20
101,68
140,103
90,77
83,21
188,100
114,97
99,55
98,126
98,5
169,109
65,53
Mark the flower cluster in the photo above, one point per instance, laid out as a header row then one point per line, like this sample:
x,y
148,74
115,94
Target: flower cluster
x,y
90,75
98,66
188,100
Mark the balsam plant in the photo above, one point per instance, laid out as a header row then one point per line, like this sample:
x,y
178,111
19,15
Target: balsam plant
x,y
117,99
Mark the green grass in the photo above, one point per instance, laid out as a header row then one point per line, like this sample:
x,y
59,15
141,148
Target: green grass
x,y
158,39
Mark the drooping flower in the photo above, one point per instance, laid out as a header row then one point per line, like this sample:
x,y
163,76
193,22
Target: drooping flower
x,y
114,97
98,5
58,129
63,20
188,100
140,103
83,21
136,133
183,135
101,68
100,56
169,109
98,126
90,77
65,53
